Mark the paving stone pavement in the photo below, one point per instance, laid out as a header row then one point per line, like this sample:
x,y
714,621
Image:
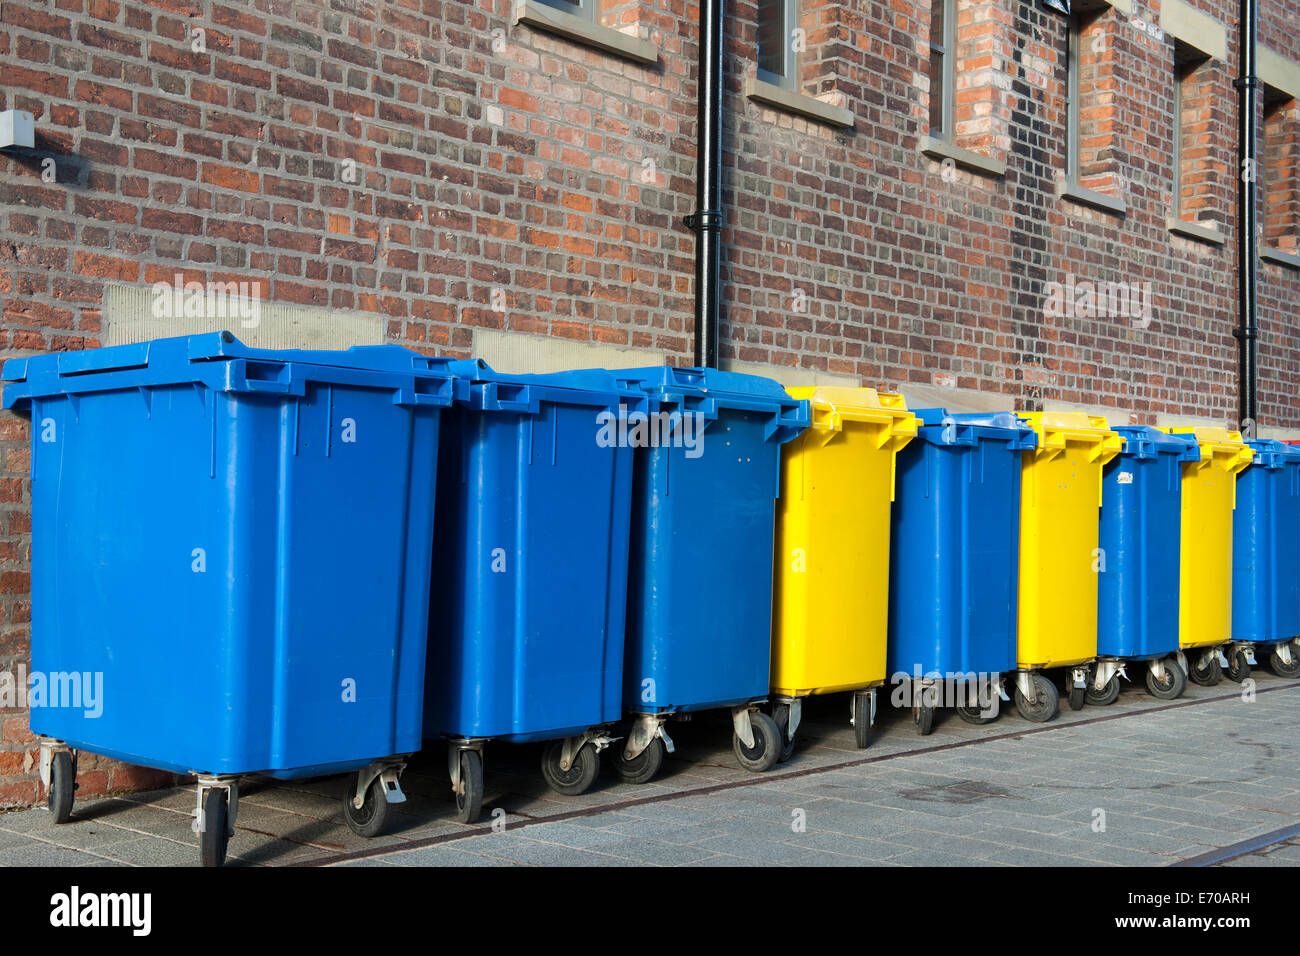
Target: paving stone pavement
x,y
1148,784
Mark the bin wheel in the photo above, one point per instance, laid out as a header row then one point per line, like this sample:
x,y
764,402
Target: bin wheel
x,y
1278,666
862,720
579,777
643,767
1172,687
1238,666
781,716
766,750
923,716
975,714
1044,705
1107,695
214,836
1207,675
372,818
1077,696
469,802
63,783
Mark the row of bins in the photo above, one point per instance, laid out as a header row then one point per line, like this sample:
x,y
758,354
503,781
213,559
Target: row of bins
x,y
306,563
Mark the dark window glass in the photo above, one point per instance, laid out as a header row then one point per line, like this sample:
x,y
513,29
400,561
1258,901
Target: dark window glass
x,y
938,53
772,39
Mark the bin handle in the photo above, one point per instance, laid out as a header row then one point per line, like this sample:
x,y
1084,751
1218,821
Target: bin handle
x,y
1105,445
692,377
508,397
833,417
104,360
1234,457
786,421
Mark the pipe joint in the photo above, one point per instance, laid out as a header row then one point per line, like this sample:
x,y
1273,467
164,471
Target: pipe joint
x,y
705,219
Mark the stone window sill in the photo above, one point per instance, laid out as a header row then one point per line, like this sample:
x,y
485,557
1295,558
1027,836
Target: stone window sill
x,y
1195,230
800,104
1277,256
541,17
965,158
1073,192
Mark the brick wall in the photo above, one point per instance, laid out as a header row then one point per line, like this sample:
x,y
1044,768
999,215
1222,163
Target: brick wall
x,y
408,159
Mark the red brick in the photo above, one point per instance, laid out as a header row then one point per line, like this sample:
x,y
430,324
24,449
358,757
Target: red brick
x,y
24,16
230,177
106,267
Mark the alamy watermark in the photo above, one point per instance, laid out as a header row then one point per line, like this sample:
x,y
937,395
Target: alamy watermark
x,y
218,300
638,429
1084,299
960,689
73,690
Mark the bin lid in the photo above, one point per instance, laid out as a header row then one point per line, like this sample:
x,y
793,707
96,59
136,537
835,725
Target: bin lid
x,y
221,361
486,389
1055,430
1146,441
942,427
1219,447
1271,453
833,405
710,390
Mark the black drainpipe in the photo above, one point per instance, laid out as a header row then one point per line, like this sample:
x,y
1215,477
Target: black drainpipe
x,y
707,218
1247,331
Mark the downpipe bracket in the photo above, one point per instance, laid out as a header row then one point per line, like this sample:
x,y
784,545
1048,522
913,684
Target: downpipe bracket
x,y
705,219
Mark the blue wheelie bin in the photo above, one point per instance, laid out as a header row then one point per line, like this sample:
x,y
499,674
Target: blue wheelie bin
x,y
530,565
230,563
953,578
1266,561
1138,568
700,580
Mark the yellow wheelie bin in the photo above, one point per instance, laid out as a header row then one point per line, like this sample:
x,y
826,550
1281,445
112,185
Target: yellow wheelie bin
x,y
1205,556
1060,502
832,553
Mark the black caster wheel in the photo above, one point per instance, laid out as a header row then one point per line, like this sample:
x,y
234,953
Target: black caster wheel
x,y
1207,673
1173,685
1238,667
1281,668
975,714
1044,705
214,835
469,802
781,716
1107,695
767,744
862,720
581,774
1077,696
372,817
923,717
644,766
63,784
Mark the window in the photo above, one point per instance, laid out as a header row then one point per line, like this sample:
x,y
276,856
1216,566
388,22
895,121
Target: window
x,y
1091,109
943,31
586,9
778,46
592,23
1084,43
1072,40
1193,164
792,75
1279,172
